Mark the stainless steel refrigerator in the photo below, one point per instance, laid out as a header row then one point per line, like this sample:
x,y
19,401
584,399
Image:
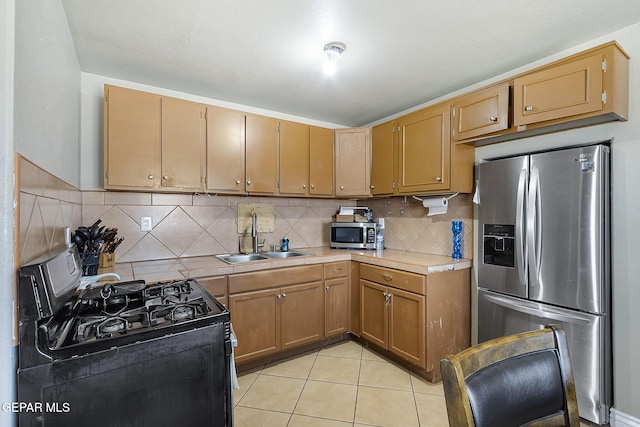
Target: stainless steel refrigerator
x,y
544,257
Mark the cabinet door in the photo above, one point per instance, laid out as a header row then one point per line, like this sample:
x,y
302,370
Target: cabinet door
x,y
383,159
131,139
561,91
302,314
374,313
481,112
407,326
225,150
294,158
336,306
320,161
183,145
425,150
256,322
353,162
261,162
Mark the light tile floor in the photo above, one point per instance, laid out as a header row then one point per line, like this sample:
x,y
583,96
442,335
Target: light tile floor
x,y
340,385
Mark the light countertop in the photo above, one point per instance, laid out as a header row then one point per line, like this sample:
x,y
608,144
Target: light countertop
x,y
208,266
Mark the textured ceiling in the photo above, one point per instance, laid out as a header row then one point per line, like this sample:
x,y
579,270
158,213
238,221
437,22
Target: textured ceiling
x,y
269,54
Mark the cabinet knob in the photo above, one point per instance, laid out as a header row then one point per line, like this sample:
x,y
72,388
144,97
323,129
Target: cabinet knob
x,y
387,277
165,177
249,182
313,186
304,185
150,177
439,179
493,119
372,186
326,287
342,187
284,295
237,182
528,108
278,296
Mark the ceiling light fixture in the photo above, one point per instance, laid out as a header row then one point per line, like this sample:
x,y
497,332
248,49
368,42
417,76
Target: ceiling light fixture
x,y
333,51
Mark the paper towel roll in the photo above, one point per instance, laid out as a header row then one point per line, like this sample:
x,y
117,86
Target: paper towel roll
x,y
436,205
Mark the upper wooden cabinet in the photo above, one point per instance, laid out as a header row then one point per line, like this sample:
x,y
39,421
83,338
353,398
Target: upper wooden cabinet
x,y
261,139
183,145
565,90
320,162
383,158
131,138
152,142
294,158
225,150
480,113
424,147
353,162
586,88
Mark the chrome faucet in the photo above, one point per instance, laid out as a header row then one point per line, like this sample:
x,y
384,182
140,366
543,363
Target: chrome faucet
x,y
254,233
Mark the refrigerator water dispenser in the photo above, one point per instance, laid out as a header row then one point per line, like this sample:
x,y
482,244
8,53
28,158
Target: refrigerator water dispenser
x,y
499,245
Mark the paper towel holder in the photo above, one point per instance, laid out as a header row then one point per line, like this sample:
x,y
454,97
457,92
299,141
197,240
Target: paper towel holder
x,y
436,205
447,198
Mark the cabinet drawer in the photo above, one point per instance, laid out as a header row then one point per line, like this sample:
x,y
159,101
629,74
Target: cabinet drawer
x,y
246,282
216,286
336,269
398,279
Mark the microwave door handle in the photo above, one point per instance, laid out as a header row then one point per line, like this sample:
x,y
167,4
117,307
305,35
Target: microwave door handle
x,y
538,311
521,246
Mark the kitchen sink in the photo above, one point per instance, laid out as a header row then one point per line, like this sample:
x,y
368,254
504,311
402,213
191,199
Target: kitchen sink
x,y
238,258
290,254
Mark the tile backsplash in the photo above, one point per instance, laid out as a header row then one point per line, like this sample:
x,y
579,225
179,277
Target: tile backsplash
x,y
407,226
186,225
47,206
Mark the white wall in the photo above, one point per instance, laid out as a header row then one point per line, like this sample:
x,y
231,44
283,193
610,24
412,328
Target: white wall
x,y
625,209
92,88
47,89
7,273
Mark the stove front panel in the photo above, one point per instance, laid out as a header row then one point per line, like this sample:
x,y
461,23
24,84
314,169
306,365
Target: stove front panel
x,y
181,379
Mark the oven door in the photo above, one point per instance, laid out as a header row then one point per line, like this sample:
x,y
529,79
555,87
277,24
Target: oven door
x,y
181,379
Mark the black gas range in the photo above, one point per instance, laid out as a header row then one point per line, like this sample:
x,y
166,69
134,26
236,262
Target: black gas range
x,y
120,354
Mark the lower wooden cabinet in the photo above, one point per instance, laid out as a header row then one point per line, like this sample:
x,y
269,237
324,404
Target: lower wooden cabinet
x,y
394,320
274,320
256,321
275,310
216,286
417,318
302,314
336,298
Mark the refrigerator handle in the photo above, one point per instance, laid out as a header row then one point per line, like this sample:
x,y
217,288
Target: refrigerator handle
x,y
575,318
521,246
534,236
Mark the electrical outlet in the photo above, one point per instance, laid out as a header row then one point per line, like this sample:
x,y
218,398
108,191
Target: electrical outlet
x,y
381,223
145,223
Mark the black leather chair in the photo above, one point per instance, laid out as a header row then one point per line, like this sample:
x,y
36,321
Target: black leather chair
x,y
522,379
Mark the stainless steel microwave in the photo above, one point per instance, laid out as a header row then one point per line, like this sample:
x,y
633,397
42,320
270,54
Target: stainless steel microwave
x,y
353,235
